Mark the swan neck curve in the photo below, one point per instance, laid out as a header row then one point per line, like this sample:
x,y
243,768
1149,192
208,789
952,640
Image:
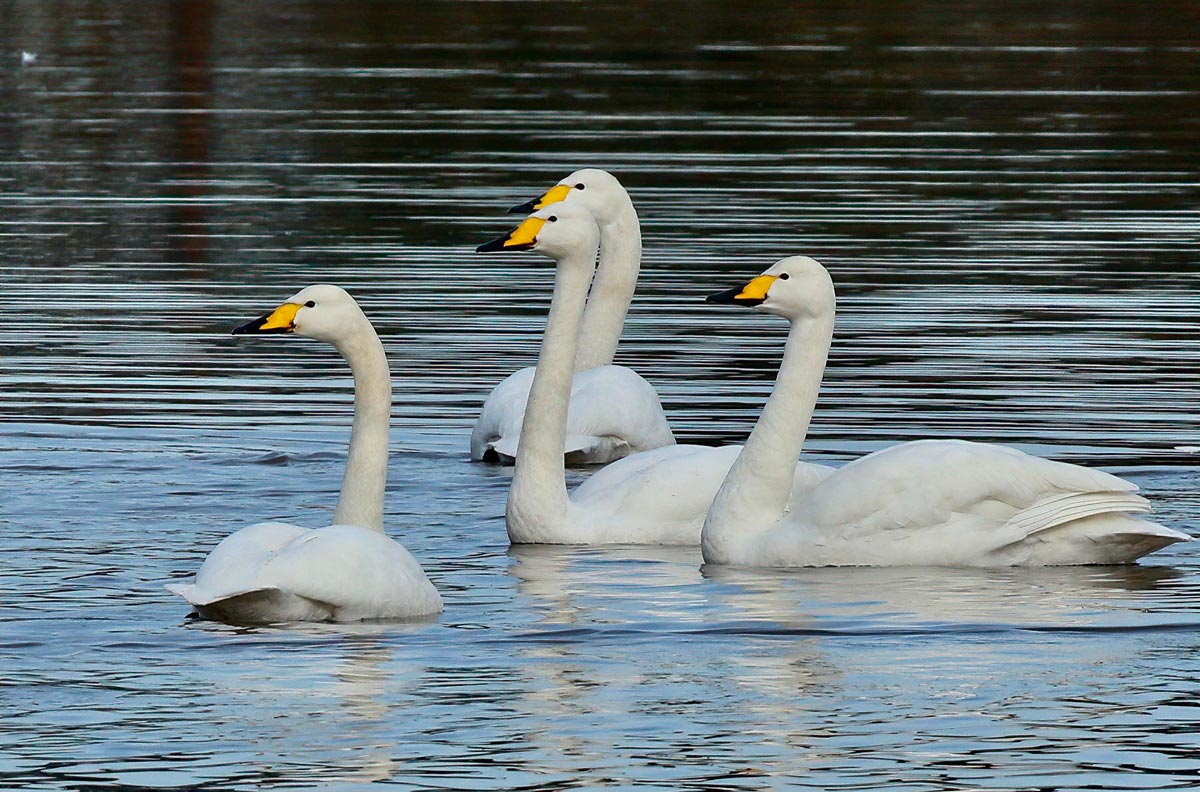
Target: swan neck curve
x,y
363,485
755,492
612,289
538,496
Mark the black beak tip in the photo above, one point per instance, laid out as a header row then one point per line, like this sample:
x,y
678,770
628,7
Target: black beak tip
x,y
246,329
524,208
722,297
493,246
254,327
730,297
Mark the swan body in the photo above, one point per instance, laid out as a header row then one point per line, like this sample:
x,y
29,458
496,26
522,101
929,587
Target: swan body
x,y
658,496
275,572
614,411
350,571
930,502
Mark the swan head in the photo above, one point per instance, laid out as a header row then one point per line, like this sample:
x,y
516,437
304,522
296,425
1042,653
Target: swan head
x,y
557,231
324,312
597,190
796,287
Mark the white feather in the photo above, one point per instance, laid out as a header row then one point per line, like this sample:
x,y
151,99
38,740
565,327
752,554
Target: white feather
x,y
613,411
931,502
276,572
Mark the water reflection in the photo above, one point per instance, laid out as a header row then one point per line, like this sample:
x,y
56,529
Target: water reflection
x,y
1004,194
832,599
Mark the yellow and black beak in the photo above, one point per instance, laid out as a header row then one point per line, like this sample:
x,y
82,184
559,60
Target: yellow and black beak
x,y
555,194
281,320
750,295
523,237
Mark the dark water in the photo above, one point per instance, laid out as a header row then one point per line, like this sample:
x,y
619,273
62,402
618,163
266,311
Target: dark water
x,y
1006,195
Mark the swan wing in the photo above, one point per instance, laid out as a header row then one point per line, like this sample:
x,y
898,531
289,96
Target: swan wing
x,y
234,566
924,482
613,412
615,401
282,572
502,413
958,502
362,573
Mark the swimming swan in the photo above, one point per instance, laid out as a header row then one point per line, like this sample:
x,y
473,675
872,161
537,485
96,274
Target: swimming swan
x,y
653,497
349,571
931,502
613,412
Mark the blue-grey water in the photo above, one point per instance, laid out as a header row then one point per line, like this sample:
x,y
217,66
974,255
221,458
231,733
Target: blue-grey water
x,y
1006,195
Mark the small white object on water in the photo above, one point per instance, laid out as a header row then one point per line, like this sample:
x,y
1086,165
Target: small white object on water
x,y
28,57
1188,449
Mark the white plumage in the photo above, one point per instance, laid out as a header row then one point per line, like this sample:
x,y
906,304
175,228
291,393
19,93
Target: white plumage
x,y
658,496
277,572
614,411
931,502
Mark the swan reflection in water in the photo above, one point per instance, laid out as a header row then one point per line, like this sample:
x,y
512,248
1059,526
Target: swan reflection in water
x,y
622,629
648,629
332,691
667,588
1010,597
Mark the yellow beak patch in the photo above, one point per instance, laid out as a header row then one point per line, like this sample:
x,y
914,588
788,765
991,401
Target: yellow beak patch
x,y
526,233
757,288
282,318
553,195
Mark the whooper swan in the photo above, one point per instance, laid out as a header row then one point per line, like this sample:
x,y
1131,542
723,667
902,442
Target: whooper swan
x,y
931,502
613,412
349,571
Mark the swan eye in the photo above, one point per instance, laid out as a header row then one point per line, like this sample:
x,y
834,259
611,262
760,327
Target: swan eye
x,y
784,276
580,186
553,218
310,304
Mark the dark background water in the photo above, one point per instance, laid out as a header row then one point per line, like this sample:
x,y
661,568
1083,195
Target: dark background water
x,y
1006,196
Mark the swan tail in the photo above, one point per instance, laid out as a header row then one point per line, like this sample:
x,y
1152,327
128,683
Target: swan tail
x,y
263,605
504,447
185,590
594,449
578,449
200,598
1055,510
1087,528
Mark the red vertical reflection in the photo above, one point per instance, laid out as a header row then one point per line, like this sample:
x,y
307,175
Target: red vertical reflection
x,y
191,34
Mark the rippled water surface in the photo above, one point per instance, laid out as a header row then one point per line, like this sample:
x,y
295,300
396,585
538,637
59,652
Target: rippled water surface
x,y
1006,196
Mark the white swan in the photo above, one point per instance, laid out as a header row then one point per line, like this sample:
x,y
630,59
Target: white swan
x,y
613,412
275,572
932,502
653,497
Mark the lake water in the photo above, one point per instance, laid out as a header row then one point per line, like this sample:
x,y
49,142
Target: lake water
x,y
1006,195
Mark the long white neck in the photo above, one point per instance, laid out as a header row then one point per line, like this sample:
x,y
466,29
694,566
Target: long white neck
x,y
539,492
612,290
361,501
755,492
